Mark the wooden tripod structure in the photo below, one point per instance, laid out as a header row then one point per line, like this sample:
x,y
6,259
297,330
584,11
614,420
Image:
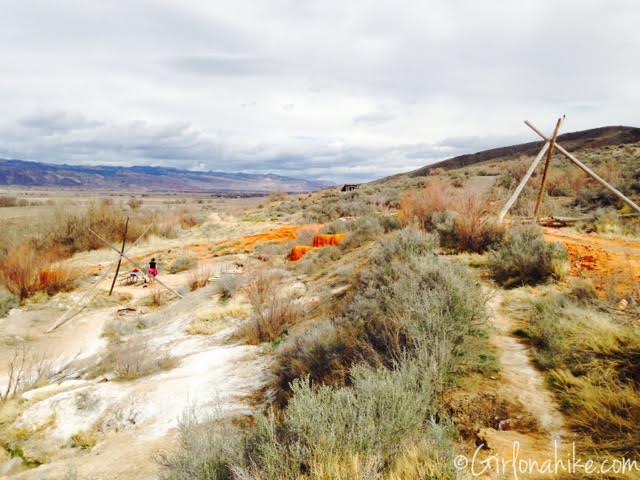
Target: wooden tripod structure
x,y
549,146
117,263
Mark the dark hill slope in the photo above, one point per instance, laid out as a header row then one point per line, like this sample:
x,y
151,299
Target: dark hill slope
x,y
593,138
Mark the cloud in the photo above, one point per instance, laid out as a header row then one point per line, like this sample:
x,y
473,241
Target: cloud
x,y
82,141
56,122
330,90
373,118
222,64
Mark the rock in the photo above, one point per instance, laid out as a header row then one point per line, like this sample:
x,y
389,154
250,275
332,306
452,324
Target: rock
x,y
11,466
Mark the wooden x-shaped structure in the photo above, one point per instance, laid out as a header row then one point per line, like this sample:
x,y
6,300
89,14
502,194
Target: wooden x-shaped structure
x,y
549,146
121,254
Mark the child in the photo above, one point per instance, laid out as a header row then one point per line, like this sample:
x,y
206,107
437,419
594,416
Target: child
x,y
153,270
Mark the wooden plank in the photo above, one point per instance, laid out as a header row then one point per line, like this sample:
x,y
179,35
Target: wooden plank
x,y
543,182
124,240
523,182
588,171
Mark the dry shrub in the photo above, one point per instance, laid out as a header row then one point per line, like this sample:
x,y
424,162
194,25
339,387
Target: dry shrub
x,y
25,271
8,301
274,306
134,359
515,171
419,206
470,228
228,285
463,221
199,278
277,196
156,297
6,201
182,263
26,370
187,218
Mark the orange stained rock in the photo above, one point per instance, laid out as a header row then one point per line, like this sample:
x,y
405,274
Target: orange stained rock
x,y
299,251
248,244
328,240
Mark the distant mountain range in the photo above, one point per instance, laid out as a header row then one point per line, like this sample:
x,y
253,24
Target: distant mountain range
x,y
593,138
46,175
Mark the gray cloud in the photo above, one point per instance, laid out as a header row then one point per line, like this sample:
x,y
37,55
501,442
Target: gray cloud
x,y
223,64
373,118
378,88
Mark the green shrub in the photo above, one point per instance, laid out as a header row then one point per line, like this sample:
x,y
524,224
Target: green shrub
x,y
182,263
322,425
523,258
7,301
408,302
361,231
206,451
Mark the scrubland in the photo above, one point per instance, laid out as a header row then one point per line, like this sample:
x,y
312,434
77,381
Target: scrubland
x,y
383,355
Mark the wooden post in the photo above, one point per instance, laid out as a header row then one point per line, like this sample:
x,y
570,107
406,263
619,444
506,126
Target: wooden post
x,y
66,317
543,182
134,263
124,240
588,171
523,182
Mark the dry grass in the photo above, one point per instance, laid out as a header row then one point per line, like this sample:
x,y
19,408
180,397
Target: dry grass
x,y
156,297
182,263
199,278
211,323
593,364
85,440
134,359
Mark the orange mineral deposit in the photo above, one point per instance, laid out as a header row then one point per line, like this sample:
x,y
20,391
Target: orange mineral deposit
x,y
328,240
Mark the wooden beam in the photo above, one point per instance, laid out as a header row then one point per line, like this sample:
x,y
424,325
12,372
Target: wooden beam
x,y
124,240
523,182
588,171
134,263
543,182
64,319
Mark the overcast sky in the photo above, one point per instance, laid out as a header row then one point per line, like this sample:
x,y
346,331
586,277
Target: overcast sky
x,y
335,90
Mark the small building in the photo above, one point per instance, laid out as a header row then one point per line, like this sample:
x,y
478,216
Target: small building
x,y
349,187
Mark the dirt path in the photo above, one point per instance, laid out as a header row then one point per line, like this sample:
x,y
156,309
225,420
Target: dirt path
x,y
524,383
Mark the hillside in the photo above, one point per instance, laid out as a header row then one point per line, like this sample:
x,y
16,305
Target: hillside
x,y
36,174
592,138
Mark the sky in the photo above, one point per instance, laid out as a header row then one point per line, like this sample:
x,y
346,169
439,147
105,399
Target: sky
x,y
341,91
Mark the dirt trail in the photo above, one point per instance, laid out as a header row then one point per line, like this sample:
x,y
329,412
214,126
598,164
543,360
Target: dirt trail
x,y
524,383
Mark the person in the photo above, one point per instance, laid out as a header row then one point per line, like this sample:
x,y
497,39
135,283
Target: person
x,y
153,269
